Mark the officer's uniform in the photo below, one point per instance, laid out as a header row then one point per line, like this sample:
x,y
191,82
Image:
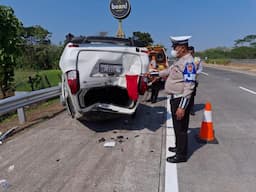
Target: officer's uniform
x,y
199,69
179,85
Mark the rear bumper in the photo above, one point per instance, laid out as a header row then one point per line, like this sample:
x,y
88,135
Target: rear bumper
x,y
109,108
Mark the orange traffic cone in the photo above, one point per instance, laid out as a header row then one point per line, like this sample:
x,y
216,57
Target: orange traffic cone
x,y
206,134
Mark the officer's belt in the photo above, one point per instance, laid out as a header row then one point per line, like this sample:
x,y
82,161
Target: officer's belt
x,y
174,96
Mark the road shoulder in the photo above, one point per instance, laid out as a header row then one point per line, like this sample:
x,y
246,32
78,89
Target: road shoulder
x,y
245,69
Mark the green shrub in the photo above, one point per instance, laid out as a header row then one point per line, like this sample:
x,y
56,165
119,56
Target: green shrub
x,y
40,79
218,61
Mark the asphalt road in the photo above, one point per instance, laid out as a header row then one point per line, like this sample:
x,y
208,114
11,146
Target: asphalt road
x,y
230,165
65,155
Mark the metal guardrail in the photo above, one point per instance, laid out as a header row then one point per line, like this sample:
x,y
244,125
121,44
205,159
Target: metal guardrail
x,y
17,102
243,61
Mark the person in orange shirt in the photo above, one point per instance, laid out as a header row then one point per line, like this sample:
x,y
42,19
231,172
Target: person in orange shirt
x,y
154,81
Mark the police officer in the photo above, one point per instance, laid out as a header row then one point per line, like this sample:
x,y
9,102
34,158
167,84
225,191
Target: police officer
x,y
179,85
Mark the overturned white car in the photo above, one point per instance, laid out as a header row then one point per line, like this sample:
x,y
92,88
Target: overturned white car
x,y
102,76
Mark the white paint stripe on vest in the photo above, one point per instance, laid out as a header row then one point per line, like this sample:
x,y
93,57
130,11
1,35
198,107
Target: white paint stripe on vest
x,y
171,177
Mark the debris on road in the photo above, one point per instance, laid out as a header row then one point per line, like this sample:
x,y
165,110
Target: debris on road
x,y
11,168
101,140
136,136
110,144
7,133
4,184
120,137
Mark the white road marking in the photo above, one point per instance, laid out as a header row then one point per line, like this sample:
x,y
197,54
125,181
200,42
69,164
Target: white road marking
x,y
248,90
171,177
205,73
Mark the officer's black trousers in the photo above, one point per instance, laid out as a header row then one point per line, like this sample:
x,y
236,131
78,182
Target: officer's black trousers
x,y
155,90
180,128
192,99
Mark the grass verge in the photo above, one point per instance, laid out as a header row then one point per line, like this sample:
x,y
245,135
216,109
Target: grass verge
x,y
41,79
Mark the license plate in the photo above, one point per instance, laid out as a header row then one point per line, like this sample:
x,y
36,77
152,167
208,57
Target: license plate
x,y
110,68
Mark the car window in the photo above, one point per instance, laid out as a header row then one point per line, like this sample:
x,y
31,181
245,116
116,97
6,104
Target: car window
x,y
160,57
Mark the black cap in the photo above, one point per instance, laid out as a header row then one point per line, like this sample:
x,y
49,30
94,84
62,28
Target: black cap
x,y
191,48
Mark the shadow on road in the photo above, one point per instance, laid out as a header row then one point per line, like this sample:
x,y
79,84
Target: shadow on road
x,y
199,107
193,144
148,116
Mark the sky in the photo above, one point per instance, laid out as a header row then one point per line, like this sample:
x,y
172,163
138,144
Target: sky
x,y
211,23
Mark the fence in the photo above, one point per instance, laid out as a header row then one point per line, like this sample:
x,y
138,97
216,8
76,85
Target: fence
x,y
18,102
243,61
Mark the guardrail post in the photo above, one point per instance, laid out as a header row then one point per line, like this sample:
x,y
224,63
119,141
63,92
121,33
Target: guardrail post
x,y
21,115
20,111
22,99
62,101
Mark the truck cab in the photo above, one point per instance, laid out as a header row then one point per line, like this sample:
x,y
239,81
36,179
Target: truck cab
x,y
160,55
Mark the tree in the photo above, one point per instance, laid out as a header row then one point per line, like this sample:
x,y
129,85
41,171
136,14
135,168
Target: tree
x,y
253,44
144,37
239,42
247,40
54,55
250,38
35,35
243,53
38,52
215,53
10,39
